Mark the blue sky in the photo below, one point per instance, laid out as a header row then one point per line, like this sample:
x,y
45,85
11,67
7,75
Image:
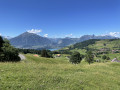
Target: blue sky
x,y
59,18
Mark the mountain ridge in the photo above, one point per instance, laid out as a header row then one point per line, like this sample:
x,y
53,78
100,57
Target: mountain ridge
x,y
34,41
28,40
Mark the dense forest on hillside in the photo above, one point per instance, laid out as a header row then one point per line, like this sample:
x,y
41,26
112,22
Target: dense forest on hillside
x,y
83,44
107,49
109,45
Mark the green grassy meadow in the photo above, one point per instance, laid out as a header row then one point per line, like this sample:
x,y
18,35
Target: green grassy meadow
x,y
38,73
115,44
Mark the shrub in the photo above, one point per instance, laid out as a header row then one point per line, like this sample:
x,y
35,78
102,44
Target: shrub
x,y
104,57
108,58
89,57
75,58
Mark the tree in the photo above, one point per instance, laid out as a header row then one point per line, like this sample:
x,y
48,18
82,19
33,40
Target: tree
x,y
44,53
75,58
108,58
104,57
89,57
9,53
1,43
104,44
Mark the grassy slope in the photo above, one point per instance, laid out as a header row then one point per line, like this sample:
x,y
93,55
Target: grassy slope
x,y
98,45
38,73
109,44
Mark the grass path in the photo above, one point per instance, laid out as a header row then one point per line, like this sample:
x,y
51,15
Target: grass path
x,y
22,57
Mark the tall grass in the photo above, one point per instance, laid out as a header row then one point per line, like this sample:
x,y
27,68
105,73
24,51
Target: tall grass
x,y
37,73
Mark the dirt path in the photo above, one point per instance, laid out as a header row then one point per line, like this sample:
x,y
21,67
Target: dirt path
x,y
22,57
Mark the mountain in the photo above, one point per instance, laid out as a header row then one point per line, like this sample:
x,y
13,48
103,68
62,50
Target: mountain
x,y
87,37
69,41
34,41
56,40
30,40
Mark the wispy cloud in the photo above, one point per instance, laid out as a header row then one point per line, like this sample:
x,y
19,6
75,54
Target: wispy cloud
x,y
46,35
35,31
115,34
0,34
69,35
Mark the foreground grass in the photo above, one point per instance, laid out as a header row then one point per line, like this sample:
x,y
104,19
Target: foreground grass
x,y
38,73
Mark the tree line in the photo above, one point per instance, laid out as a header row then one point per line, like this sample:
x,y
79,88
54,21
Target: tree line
x,y
43,53
76,57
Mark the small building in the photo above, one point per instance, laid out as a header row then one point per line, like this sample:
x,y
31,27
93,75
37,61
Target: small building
x,y
58,55
115,60
36,55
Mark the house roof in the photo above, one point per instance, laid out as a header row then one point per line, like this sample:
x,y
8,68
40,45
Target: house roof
x,y
115,60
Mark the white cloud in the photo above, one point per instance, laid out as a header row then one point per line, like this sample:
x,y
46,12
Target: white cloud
x,y
69,35
35,31
0,34
114,34
46,35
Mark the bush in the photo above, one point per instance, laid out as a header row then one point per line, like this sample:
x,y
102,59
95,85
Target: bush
x,y
108,58
89,57
75,58
104,57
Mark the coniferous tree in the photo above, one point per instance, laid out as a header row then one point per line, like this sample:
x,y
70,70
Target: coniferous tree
x,y
44,53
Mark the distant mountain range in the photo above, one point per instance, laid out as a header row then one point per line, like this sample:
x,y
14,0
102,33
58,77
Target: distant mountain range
x,y
34,41
7,37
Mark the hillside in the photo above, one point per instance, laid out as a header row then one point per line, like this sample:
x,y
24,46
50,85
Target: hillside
x,y
113,44
37,73
97,45
109,47
67,41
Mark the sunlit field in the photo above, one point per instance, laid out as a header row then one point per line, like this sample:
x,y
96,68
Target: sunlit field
x,y
37,73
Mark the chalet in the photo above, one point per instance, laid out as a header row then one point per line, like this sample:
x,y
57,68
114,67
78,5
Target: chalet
x,y
115,60
58,55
